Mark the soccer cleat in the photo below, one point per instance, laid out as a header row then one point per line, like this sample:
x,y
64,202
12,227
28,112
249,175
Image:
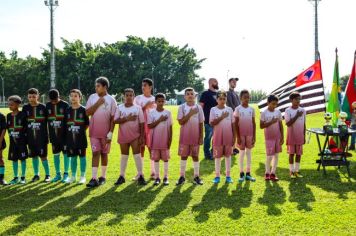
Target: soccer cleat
x,y
216,180
120,180
72,179
298,175
181,180
3,182
250,178
274,178
292,175
14,181
267,177
47,179
236,151
22,180
102,180
242,177
82,180
157,182
93,183
228,180
141,180
165,181
197,181
65,178
35,178
57,178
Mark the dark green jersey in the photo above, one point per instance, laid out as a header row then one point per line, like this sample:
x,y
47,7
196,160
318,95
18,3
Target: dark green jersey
x,y
77,122
37,132
56,125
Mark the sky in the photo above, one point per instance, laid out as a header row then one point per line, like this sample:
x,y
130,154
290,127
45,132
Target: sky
x,y
264,43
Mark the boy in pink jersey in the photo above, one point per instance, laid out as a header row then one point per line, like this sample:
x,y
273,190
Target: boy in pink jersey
x,y
224,135
131,134
191,119
295,121
160,125
271,122
246,134
147,102
101,108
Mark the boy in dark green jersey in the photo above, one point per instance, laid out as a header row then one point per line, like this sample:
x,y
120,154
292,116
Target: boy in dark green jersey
x,y
37,133
56,109
17,127
76,139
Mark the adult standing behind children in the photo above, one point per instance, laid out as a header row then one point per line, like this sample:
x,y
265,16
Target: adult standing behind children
x,y
207,101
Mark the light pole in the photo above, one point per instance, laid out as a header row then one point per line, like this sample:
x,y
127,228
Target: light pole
x,y
52,4
316,29
3,90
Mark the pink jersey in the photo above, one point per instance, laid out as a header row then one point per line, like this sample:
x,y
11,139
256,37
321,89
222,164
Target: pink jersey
x,y
295,132
189,132
160,134
130,130
273,131
223,134
100,121
142,100
245,115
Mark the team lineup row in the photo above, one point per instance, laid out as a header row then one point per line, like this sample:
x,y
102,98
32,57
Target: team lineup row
x,y
143,122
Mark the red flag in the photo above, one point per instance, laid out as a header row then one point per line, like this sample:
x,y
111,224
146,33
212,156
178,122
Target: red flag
x,y
350,92
311,74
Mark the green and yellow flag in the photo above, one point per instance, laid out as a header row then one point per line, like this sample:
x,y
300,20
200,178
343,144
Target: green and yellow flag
x,y
335,95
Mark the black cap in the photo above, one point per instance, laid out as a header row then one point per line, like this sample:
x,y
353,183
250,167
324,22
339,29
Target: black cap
x,y
236,79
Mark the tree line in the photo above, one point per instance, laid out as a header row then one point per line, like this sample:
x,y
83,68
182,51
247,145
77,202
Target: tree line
x,y
125,63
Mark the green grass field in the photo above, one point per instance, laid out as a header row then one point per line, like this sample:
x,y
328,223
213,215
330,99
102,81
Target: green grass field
x,y
316,204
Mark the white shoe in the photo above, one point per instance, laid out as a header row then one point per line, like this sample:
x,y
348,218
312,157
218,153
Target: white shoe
x,y
72,180
82,180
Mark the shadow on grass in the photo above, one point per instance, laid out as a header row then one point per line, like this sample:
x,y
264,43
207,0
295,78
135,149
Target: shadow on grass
x,y
273,196
217,198
333,181
166,209
130,200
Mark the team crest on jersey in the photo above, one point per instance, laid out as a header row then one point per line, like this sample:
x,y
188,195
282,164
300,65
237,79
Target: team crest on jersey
x,y
61,110
49,111
80,115
41,112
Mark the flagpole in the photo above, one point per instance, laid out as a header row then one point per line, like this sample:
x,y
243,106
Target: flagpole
x,y
322,79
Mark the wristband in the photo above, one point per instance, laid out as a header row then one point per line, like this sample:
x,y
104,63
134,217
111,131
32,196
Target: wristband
x,y
109,135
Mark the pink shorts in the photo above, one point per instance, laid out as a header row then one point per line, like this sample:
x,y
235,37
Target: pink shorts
x,y
246,142
188,150
220,151
160,154
273,147
295,149
100,145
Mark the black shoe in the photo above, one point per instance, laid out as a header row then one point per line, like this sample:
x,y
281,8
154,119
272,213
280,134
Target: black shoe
x,y
93,183
236,151
102,181
3,182
165,181
197,181
47,179
35,178
141,180
352,147
181,180
120,180
157,182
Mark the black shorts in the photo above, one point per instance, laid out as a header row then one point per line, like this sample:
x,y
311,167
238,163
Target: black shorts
x,y
38,151
58,148
76,152
17,153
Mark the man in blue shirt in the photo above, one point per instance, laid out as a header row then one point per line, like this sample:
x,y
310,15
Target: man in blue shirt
x,y
207,101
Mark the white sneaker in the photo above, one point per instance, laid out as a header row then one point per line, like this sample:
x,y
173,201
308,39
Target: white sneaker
x,y
82,180
72,179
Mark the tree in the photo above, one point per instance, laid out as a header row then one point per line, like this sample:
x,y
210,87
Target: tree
x,y
343,82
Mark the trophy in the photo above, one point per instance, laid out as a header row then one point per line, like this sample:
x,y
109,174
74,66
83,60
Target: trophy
x,y
328,128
